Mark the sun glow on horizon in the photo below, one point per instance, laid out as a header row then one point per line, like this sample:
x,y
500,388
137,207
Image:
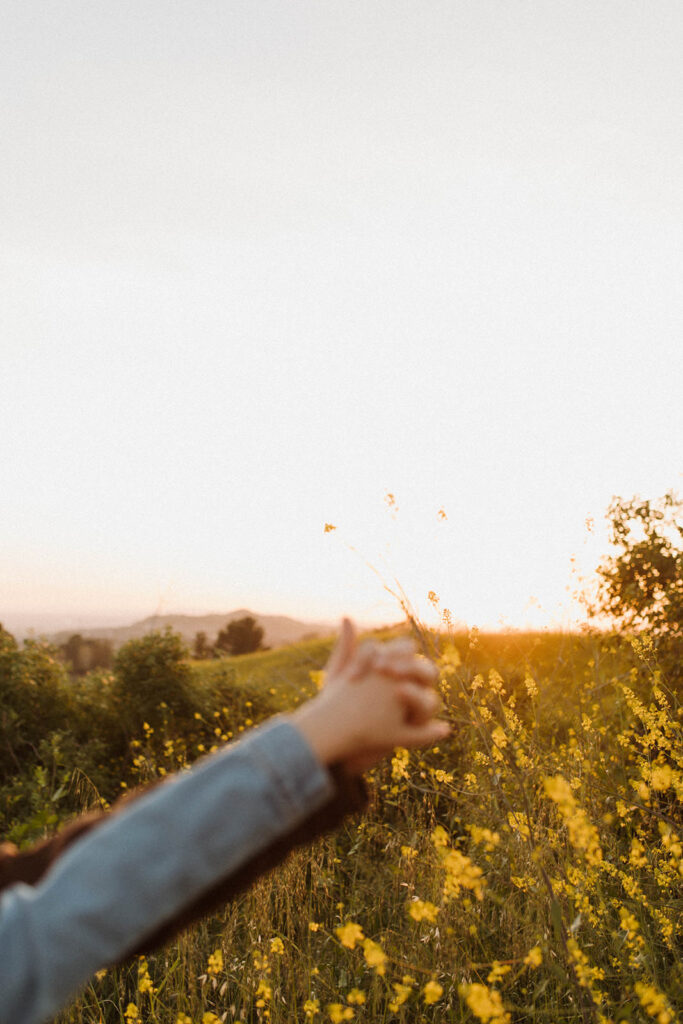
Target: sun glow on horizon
x,y
256,277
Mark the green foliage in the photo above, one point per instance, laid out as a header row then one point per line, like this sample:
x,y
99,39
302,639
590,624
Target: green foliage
x,y
201,647
527,711
153,681
33,699
241,636
641,584
556,802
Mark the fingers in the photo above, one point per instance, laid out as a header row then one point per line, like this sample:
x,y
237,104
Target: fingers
x,y
419,703
344,649
403,664
365,660
396,659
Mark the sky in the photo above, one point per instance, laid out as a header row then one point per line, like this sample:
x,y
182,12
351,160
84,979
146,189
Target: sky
x,y
263,265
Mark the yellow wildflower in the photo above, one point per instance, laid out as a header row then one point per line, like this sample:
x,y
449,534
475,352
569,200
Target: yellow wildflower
x,y
144,980
349,934
486,1004
311,1007
516,821
423,910
462,873
277,945
439,836
401,993
215,965
338,1013
432,992
356,996
534,957
583,835
629,924
484,835
654,1003
374,956
399,764
497,972
264,993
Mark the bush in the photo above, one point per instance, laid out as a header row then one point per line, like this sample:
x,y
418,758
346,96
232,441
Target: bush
x,y
154,682
33,699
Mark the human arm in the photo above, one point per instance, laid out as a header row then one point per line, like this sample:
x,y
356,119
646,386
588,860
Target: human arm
x,y
171,855
133,872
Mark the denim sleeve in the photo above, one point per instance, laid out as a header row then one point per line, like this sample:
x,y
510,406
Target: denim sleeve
x,y
136,870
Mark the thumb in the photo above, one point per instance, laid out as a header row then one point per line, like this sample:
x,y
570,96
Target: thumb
x,y
344,649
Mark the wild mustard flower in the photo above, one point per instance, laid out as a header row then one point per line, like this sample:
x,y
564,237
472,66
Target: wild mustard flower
x,y
311,1007
422,910
402,992
484,835
349,934
264,993
144,981
497,972
338,1013
534,957
654,1003
432,992
629,923
583,835
132,1014
356,997
531,686
461,873
486,1004
399,764
215,965
375,956
408,852
277,945
637,858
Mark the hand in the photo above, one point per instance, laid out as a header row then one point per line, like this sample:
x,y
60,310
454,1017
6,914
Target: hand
x,y
396,659
376,698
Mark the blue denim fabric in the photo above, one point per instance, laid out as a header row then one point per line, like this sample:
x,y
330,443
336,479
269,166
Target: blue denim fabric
x,y
135,871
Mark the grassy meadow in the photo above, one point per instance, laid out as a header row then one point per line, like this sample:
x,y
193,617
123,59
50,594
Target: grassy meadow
x,y
530,868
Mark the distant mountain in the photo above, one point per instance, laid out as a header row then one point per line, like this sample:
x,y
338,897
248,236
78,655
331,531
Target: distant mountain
x,y
279,630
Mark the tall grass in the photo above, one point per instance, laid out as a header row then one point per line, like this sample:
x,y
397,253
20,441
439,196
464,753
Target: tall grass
x,y
529,868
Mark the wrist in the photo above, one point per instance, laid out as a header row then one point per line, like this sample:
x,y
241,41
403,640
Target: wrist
x,y
317,726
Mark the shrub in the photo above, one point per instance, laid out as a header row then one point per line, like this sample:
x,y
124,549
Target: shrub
x,y
154,682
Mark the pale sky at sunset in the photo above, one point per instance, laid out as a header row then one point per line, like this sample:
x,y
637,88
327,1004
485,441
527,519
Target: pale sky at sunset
x,y
263,263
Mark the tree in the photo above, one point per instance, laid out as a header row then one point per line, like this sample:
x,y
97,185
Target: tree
x,y
241,636
640,585
153,680
201,648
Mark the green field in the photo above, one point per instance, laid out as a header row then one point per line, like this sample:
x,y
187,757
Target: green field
x,y
530,868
